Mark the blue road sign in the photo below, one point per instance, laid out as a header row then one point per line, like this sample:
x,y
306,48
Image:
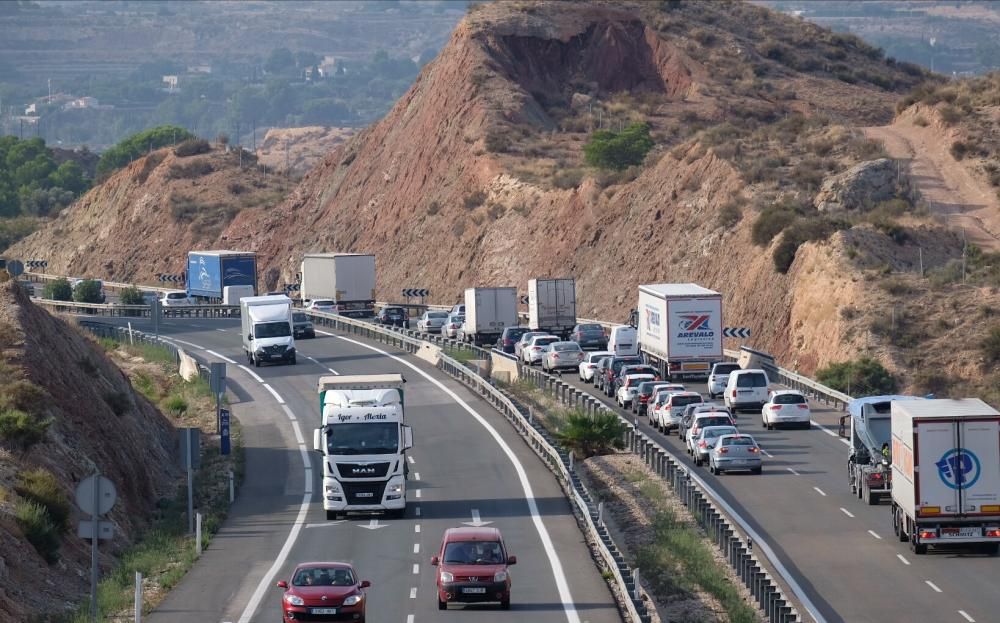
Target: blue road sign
x,y
224,431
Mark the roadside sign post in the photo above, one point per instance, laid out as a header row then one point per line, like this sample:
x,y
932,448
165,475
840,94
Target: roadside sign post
x,y
95,496
217,383
190,442
15,268
224,441
155,314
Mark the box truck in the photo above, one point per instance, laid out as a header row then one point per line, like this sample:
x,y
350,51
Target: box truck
x,y
946,473
267,329
680,328
210,272
363,441
347,279
488,311
552,306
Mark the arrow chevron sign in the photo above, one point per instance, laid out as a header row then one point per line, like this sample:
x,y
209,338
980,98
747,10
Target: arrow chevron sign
x,y
292,287
524,299
36,263
411,292
736,332
170,278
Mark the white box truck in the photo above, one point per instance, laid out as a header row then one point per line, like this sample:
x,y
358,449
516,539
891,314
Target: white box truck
x,y
552,306
348,279
267,329
488,311
363,441
680,328
946,473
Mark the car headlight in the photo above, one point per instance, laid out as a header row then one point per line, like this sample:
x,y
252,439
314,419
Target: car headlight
x,y
353,600
447,577
396,488
294,600
500,576
333,488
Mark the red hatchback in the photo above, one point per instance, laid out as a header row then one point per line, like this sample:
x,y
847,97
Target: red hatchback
x,y
472,567
323,591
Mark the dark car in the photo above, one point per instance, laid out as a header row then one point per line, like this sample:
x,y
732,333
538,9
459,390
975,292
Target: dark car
x,y
602,371
612,372
323,591
589,336
472,566
643,396
640,368
392,317
302,326
508,339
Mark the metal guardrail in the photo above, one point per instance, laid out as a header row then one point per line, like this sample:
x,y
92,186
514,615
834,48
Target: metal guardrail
x,y
110,285
138,311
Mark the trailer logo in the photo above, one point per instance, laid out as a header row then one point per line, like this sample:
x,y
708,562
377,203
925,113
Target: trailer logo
x,y
959,468
695,325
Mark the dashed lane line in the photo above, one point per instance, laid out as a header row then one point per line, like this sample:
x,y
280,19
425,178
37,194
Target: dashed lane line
x,y
965,615
819,491
847,512
874,534
413,592
933,586
792,469
902,559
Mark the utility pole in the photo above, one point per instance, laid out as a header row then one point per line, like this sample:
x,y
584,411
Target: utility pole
x,y
288,171
965,248
254,139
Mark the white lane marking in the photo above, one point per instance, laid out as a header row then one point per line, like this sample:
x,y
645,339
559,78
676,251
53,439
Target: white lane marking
x,y
409,618
569,607
874,534
767,454
288,412
312,359
222,357
298,434
846,512
933,586
324,524
819,491
831,433
410,459
416,528
416,568
791,469
965,615
334,371
416,548
223,330
416,475
416,511
192,344
276,395
413,592
902,560
417,494
251,373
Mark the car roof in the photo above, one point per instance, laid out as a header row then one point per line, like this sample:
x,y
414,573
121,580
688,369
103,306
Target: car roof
x,y
543,336
738,436
717,427
686,393
313,565
566,343
471,534
795,392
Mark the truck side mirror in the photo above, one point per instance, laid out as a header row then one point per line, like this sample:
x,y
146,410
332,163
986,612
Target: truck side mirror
x,y
407,437
318,439
250,336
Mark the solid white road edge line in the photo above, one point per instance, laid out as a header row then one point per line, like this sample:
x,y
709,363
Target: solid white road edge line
x,y
191,344
557,569
222,357
251,373
276,395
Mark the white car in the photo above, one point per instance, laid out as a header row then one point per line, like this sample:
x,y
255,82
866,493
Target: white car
x,y
719,376
705,442
700,421
451,325
589,364
746,389
668,415
656,403
177,298
786,406
432,321
630,387
534,350
322,305
458,309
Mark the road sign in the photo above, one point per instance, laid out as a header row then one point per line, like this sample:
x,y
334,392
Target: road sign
x,y
183,439
156,315
217,377
735,332
170,278
36,263
85,495
292,287
105,530
224,446
411,292
15,268
524,299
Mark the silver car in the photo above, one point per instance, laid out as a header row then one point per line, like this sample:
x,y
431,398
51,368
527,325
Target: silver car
x,y
533,351
452,325
706,441
735,452
432,321
560,355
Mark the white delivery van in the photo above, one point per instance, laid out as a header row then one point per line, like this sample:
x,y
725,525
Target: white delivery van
x,y
267,329
623,341
746,389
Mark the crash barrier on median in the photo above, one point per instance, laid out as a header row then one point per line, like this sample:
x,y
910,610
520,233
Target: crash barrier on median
x,y
108,285
137,311
694,493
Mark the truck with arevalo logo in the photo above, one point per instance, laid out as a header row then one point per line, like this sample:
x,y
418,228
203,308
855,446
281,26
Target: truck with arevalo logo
x,y
680,328
363,441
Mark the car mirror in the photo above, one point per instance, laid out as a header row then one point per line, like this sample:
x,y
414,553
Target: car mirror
x,y
365,584
434,560
511,560
318,439
282,584
250,336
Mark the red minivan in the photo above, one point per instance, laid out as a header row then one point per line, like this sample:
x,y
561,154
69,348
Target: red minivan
x,y
472,567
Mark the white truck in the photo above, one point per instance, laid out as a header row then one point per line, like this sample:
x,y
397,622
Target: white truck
x,y
552,306
363,441
267,329
348,279
488,311
946,473
680,328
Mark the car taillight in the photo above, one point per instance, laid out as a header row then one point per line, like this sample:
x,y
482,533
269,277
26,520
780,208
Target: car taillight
x,y
702,444
723,450
928,534
803,406
536,348
993,533
555,355
775,407
753,450
733,394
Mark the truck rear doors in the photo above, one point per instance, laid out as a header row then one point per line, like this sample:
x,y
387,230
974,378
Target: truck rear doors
x,y
958,467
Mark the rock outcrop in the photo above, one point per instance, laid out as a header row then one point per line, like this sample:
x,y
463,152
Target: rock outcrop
x,y
859,188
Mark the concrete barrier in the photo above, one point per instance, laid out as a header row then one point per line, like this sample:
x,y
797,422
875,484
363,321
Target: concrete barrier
x,y
188,367
505,365
429,353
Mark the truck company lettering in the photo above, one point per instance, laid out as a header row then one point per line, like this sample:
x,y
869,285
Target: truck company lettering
x,y
367,417
695,326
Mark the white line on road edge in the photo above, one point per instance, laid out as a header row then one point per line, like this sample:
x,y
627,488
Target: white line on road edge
x,y
222,357
819,491
191,344
767,454
333,371
933,585
846,512
251,373
966,616
312,359
288,412
223,330
902,560
572,616
275,394
874,534
410,459
826,430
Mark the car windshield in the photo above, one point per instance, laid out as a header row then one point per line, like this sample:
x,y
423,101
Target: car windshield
x,y
681,401
299,317
393,311
562,347
437,314
788,399
738,441
323,303
591,328
617,365
323,576
725,368
457,318
473,553
177,295
362,438
545,341
271,329
714,432
646,387
715,420
514,334
751,380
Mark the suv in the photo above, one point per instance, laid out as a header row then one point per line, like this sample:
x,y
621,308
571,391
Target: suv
x,y
302,326
611,373
393,317
472,566
589,336
746,389
668,416
176,298
507,342
534,350
719,376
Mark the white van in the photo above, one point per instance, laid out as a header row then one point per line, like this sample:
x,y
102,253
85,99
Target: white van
x,y
624,341
746,389
267,330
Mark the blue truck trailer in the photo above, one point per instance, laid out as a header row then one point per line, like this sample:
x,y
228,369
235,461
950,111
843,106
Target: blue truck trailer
x,y
208,272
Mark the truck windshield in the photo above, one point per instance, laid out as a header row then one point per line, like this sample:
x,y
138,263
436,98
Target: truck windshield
x,y
271,329
363,438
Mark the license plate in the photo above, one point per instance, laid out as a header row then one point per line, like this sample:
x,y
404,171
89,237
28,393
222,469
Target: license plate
x,y
961,533
322,611
475,590
739,462
365,494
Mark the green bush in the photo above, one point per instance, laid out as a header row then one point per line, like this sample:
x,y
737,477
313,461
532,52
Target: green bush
x,y
861,377
23,395
771,222
58,290
132,296
176,405
991,346
192,147
139,145
41,486
88,291
592,435
20,429
618,150
38,528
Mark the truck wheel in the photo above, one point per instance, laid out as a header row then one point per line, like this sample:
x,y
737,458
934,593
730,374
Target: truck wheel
x,y
918,548
256,362
872,498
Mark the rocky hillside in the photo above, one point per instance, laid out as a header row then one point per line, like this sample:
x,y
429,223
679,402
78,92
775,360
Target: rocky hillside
x,y
66,410
296,150
760,182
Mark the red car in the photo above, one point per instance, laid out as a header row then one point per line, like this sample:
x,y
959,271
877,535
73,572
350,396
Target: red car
x,y
472,567
323,591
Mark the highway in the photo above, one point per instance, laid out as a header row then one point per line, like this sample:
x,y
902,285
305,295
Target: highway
x,y
842,551
465,459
